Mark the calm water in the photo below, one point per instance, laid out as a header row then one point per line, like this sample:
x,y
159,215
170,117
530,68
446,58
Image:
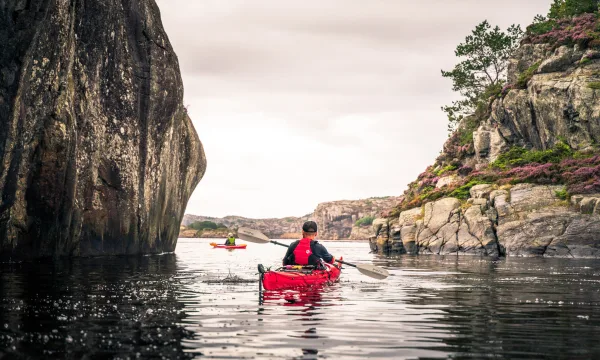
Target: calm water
x,y
167,307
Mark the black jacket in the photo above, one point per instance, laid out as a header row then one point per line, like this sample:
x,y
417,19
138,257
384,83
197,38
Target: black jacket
x,y
318,252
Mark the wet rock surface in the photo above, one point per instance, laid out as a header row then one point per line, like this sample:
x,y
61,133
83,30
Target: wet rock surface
x,y
97,153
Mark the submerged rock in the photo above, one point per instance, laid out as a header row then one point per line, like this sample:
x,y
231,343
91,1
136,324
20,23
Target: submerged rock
x,y
98,155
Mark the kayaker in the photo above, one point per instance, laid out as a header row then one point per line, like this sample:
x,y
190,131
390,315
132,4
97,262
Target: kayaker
x,y
230,240
307,251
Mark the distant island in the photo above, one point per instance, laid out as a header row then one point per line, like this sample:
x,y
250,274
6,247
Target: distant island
x,y
337,220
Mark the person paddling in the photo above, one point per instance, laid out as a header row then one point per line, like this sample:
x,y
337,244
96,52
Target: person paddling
x,y
230,240
307,251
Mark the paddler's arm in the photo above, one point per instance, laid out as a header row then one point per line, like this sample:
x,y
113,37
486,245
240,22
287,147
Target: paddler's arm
x,y
321,252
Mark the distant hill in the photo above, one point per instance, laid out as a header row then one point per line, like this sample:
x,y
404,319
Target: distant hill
x,y
283,228
337,220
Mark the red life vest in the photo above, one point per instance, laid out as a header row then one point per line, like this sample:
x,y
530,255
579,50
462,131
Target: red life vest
x,y
302,252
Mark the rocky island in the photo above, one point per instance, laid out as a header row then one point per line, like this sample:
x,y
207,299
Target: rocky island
x,y
521,176
337,220
98,155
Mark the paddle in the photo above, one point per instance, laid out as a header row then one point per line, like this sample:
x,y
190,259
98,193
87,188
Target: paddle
x,y
256,236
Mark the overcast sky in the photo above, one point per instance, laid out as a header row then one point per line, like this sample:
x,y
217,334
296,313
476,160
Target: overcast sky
x,y
302,102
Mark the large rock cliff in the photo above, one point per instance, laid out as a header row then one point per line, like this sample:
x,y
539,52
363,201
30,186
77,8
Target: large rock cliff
x,y
523,178
97,153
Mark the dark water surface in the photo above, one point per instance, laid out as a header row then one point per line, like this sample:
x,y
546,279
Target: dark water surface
x,y
168,307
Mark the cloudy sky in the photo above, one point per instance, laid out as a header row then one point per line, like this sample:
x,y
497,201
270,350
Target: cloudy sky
x,y
301,102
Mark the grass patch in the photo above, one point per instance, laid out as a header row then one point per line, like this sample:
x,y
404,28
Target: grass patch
x,y
464,192
527,75
519,156
446,169
365,221
465,136
562,194
594,85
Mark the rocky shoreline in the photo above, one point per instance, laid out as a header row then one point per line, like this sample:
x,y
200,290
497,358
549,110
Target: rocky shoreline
x,y
337,220
522,220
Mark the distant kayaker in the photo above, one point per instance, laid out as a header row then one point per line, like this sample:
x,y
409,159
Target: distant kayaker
x,y
307,251
230,240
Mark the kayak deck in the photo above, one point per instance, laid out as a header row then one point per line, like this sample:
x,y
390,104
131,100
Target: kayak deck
x,y
294,277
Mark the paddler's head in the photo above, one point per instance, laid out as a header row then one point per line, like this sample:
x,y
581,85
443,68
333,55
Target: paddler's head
x,y
309,230
230,235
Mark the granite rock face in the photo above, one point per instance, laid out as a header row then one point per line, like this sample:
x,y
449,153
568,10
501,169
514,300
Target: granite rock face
x,y
97,153
550,102
523,220
558,104
337,219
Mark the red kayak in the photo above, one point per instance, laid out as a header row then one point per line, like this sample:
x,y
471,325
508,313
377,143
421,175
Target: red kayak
x,y
294,277
217,246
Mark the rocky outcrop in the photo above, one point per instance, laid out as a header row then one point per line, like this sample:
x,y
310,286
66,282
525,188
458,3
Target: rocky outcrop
x,y
338,219
187,232
284,228
523,220
520,175
559,103
205,233
98,155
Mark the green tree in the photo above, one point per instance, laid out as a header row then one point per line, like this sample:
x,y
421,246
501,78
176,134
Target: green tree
x,y
365,221
201,225
567,8
482,72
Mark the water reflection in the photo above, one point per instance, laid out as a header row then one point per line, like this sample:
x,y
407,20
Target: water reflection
x,y
95,307
514,308
171,307
311,298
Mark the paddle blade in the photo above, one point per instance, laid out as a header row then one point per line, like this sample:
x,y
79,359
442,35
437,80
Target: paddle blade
x,y
373,271
252,235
